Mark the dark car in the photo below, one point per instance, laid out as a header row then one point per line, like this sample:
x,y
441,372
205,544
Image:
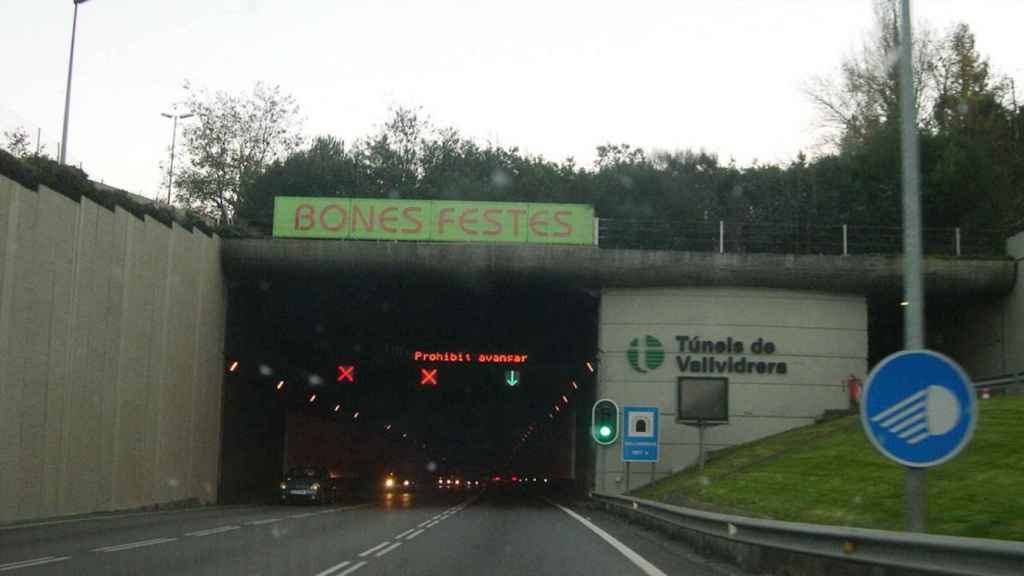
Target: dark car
x,y
308,484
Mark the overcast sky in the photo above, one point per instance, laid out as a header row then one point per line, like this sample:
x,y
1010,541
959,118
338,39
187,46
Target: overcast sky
x,y
554,77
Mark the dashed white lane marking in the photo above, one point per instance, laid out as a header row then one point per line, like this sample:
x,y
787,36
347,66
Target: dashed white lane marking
x,y
388,549
366,553
422,524
333,568
432,524
262,522
403,534
414,534
132,545
33,562
307,514
212,531
351,569
640,562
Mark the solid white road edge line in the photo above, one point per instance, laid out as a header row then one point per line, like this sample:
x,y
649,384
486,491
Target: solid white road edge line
x,y
333,568
414,534
30,563
351,569
120,516
365,553
638,560
131,545
212,531
388,549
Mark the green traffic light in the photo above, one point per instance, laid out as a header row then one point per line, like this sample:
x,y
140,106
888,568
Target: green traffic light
x,y
605,431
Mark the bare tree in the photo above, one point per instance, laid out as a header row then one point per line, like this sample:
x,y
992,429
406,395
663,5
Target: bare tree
x,y
865,94
231,141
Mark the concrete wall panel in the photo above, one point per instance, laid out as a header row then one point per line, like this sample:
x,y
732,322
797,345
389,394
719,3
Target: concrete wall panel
x,y
111,350
821,339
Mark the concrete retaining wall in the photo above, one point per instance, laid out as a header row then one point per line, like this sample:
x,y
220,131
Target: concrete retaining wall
x,y
988,336
111,354
821,338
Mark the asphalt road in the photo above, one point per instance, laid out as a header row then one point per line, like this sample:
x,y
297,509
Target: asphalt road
x,y
489,533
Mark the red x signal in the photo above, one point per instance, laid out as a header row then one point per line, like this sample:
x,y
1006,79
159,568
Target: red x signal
x,y
428,376
346,373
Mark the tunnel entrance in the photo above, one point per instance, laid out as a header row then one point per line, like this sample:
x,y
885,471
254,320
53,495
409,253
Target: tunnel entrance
x,y
371,375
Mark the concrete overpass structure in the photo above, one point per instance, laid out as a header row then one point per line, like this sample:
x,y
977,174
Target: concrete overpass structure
x,y
112,335
595,267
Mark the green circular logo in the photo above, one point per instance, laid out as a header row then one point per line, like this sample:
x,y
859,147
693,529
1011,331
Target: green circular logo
x,y
650,354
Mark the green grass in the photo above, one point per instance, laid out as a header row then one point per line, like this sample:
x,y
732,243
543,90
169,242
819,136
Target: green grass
x,y
830,474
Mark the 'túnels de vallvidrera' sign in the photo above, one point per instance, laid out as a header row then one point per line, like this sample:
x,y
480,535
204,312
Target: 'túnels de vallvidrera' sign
x,y
432,220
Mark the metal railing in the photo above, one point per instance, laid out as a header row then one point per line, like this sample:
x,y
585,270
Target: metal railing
x,y
1005,385
742,237
922,553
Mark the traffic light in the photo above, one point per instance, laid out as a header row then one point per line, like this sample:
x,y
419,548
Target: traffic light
x,y
605,422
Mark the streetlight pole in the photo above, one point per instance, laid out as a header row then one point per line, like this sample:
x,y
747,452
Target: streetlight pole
x,y
915,479
67,92
174,140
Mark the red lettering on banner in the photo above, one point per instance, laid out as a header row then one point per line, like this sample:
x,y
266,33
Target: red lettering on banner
x,y
463,221
341,217
384,219
304,217
444,217
357,215
565,224
536,221
516,213
495,223
411,213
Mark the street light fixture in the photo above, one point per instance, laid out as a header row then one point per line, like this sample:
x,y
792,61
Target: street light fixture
x,y
174,139
67,92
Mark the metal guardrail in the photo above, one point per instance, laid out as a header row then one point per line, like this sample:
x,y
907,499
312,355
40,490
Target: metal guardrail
x,y
744,237
1006,385
918,553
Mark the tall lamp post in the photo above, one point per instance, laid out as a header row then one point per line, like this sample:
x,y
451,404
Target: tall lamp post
x,y
174,139
67,92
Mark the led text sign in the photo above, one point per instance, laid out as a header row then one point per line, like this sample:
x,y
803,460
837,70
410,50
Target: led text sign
x,y
432,220
468,357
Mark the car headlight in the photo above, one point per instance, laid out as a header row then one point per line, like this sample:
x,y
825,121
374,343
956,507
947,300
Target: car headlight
x,y
315,486
405,483
284,486
389,483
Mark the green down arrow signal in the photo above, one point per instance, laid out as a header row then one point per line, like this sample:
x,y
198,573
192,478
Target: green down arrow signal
x,y
511,377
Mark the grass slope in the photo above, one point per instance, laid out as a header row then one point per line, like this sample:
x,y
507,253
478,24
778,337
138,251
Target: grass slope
x,y
830,474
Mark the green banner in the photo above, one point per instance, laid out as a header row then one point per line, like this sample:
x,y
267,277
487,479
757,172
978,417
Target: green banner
x,y
435,220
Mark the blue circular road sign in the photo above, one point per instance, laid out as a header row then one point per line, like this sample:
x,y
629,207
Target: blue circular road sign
x,y
918,408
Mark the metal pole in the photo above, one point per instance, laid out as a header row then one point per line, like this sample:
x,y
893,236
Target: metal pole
x,y
721,236
915,481
627,476
39,140
700,447
67,92
170,173
957,240
845,246
654,473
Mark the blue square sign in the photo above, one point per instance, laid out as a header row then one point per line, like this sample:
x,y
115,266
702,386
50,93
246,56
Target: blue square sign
x,y
640,434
